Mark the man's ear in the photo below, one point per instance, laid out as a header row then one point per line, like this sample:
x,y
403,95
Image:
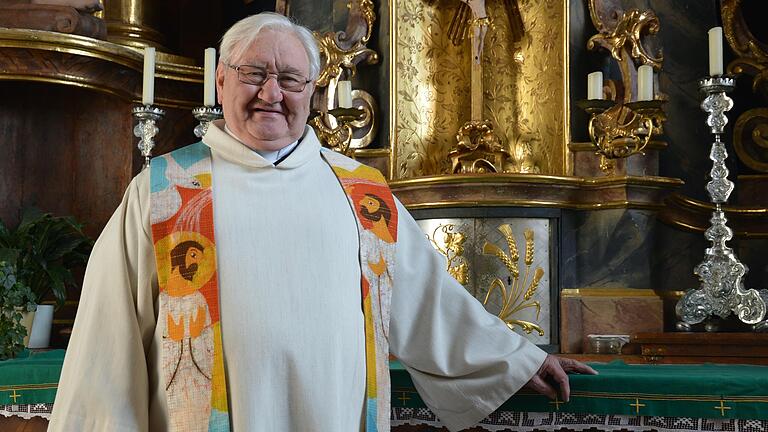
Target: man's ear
x,y
221,69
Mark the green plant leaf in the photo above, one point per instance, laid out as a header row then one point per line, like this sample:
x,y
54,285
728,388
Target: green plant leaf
x,y
9,254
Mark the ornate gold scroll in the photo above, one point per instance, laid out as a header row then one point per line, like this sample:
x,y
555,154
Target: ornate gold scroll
x,y
621,33
341,52
453,250
750,136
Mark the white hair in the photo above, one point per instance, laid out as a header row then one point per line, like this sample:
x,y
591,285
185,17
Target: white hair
x,y
241,35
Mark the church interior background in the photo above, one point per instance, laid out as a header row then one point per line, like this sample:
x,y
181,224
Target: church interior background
x,y
567,217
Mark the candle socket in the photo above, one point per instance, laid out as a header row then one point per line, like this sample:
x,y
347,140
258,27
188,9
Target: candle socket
x,y
205,115
716,102
346,115
595,106
146,128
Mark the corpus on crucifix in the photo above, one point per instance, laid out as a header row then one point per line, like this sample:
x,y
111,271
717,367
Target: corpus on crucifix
x,y
478,149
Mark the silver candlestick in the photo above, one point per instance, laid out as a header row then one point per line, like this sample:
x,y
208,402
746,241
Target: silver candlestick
x,y
205,115
722,290
146,129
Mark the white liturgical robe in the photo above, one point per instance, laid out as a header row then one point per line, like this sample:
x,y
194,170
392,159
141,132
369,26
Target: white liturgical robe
x,y
291,316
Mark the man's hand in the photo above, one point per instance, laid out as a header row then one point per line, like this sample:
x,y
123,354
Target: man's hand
x,y
554,371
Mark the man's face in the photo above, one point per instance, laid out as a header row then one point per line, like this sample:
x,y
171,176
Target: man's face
x,y
266,117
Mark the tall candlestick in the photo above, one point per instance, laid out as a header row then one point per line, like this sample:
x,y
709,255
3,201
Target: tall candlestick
x,y
148,92
716,51
209,87
645,83
595,85
345,94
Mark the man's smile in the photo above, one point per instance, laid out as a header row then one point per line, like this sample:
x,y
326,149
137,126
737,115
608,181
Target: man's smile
x,y
268,110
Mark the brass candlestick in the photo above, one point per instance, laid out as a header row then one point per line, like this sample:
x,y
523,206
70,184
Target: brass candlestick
x,y
340,136
621,130
146,129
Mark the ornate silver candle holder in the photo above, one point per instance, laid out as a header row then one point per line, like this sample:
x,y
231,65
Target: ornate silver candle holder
x,y
722,290
205,115
146,129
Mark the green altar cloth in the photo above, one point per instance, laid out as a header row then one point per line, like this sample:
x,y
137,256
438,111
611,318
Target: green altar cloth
x,y
30,378
696,391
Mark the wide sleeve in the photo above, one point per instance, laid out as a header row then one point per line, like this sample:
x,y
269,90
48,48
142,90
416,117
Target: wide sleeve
x,y
464,361
104,384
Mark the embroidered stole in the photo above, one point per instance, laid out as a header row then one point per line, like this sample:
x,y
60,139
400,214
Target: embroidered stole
x,y
185,252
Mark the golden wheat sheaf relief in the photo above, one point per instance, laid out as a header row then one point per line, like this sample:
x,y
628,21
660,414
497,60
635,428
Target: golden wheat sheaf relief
x,y
518,294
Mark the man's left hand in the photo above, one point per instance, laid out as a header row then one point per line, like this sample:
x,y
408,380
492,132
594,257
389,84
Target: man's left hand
x,y
554,371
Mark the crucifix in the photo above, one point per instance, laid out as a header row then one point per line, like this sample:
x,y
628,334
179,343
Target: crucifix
x,y
472,14
478,149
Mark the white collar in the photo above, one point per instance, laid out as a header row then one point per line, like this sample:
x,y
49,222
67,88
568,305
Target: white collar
x,y
271,156
233,150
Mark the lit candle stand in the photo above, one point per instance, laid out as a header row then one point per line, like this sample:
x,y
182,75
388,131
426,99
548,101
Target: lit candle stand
x,y
619,130
147,114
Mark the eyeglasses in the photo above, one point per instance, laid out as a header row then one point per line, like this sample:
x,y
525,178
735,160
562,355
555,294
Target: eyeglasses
x,y
258,76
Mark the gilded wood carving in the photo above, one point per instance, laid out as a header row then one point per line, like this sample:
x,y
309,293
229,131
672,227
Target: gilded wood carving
x,y
341,52
750,136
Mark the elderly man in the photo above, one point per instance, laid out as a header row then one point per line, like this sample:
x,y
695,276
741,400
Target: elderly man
x,y
257,282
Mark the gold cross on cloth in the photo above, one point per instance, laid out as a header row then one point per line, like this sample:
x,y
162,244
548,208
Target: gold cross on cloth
x,y
14,396
637,405
557,402
722,408
404,398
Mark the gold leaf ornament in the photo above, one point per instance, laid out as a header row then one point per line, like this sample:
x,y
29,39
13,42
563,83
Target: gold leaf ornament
x,y
452,250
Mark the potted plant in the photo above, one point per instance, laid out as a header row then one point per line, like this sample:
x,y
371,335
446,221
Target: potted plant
x,y
44,249
16,303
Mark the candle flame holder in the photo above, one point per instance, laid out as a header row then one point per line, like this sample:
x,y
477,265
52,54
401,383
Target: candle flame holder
x,y
146,129
721,274
621,130
205,115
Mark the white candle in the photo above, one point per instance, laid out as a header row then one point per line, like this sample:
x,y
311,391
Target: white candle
x,y
209,87
716,51
345,94
148,92
595,85
645,83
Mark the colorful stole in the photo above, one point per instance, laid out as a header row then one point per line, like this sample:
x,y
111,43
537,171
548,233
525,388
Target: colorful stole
x,y
185,252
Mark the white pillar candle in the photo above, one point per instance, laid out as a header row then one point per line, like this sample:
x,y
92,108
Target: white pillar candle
x,y
716,51
595,85
148,90
345,94
209,87
645,83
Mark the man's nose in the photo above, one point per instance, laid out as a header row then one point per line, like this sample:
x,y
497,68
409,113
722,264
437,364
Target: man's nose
x,y
270,91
